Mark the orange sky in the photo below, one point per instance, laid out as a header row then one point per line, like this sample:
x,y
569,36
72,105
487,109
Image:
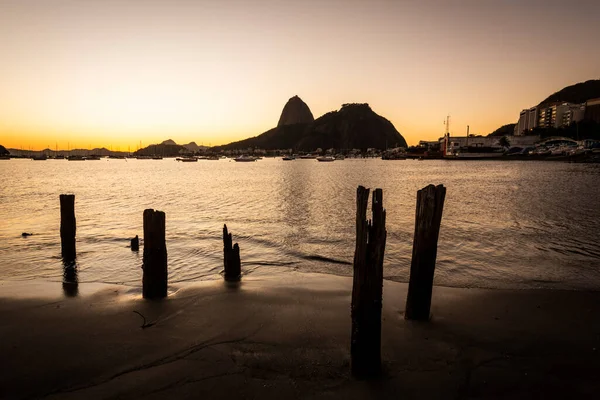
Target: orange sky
x,y
114,73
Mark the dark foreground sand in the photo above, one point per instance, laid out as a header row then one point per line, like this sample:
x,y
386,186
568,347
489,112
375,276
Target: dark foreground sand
x,y
287,335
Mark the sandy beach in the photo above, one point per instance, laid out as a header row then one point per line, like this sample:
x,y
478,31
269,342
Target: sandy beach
x,y
287,335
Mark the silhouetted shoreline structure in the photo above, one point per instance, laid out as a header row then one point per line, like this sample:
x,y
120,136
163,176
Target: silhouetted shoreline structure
x,y
367,286
135,243
70,282
231,258
155,255
67,227
428,218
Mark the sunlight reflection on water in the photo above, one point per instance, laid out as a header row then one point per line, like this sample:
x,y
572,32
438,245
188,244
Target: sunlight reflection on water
x,y
505,224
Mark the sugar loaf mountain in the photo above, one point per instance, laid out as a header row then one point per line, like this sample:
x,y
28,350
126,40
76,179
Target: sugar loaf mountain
x,y
353,126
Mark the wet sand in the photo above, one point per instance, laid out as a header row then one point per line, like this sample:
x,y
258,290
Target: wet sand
x,y
286,335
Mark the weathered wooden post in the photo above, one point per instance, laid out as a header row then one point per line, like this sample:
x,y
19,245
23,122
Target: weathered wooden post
x,y
367,285
135,243
155,255
430,205
67,227
70,283
231,258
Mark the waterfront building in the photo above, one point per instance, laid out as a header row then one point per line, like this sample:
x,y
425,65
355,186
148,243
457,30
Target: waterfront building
x,y
592,110
547,116
560,114
532,118
522,124
566,113
528,119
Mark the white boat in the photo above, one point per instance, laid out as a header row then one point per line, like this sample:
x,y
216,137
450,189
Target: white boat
x,y
325,159
188,159
288,158
245,158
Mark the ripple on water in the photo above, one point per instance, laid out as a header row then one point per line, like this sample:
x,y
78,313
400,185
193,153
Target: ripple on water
x,y
505,225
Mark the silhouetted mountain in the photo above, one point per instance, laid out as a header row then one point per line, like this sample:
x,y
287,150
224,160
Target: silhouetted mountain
x,y
164,150
281,137
504,130
294,112
578,93
193,147
169,142
353,126
3,151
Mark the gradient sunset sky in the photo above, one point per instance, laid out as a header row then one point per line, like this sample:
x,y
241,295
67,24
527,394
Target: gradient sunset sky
x,y
117,72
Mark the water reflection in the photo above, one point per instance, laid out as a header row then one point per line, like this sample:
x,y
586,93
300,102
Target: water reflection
x,y
505,224
70,283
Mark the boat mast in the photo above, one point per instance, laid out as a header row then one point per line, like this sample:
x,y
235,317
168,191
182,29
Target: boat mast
x,y
447,136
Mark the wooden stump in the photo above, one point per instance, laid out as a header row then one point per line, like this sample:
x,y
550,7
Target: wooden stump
x,y
155,255
367,285
231,258
135,243
430,206
67,227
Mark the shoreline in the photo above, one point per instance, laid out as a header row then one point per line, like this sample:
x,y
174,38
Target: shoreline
x,y
40,288
287,336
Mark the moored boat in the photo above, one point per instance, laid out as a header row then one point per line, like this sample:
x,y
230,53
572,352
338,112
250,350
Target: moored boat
x,y
325,159
245,158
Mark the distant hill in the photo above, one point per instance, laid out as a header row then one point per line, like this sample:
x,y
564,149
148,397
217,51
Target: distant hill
x,y
281,137
169,148
353,126
3,151
164,150
504,130
193,147
578,93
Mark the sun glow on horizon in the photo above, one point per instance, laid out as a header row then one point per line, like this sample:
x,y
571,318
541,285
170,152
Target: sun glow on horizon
x,y
112,74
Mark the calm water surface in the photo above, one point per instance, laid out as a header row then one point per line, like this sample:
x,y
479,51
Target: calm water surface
x,y
505,224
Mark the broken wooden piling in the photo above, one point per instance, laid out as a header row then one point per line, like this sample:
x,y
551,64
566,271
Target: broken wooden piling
x,y
67,227
231,257
135,243
155,255
428,218
367,287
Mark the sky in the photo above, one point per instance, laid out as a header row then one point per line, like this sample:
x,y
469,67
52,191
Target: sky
x,y
117,73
